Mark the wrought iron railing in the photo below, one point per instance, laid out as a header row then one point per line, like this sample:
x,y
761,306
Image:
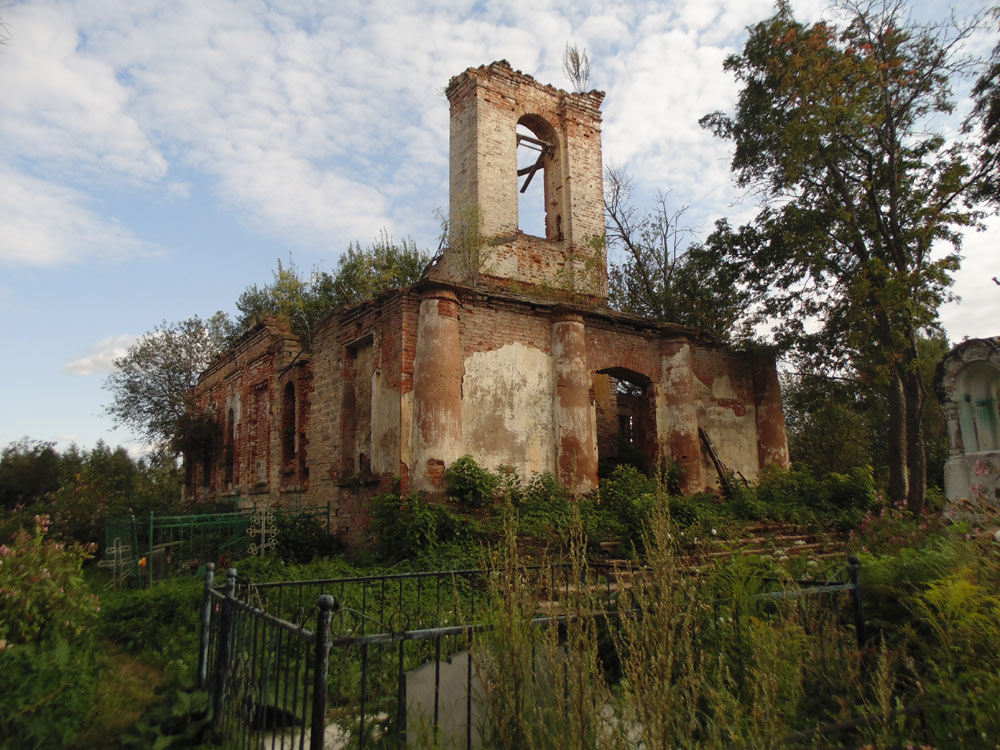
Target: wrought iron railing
x,y
349,662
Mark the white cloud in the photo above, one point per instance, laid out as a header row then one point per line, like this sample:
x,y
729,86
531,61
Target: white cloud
x,y
45,224
64,106
977,313
100,359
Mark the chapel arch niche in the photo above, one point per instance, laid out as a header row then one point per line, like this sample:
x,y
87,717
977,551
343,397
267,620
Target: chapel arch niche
x,y
976,394
626,420
540,212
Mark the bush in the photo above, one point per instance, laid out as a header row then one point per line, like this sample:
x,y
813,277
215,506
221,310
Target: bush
x,y
46,655
469,484
43,594
630,496
543,510
48,692
410,528
303,538
158,624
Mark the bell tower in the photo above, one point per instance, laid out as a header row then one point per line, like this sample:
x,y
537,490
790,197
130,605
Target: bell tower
x,y
497,112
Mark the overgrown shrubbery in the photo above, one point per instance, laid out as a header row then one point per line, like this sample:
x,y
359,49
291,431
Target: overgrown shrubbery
x,y
46,654
159,624
410,528
469,484
687,672
670,670
413,528
301,539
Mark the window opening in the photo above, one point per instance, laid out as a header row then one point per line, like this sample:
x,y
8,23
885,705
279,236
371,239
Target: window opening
x,y
288,424
626,425
229,459
535,151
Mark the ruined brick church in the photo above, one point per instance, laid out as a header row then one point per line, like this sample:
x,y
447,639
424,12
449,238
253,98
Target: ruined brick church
x,y
505,350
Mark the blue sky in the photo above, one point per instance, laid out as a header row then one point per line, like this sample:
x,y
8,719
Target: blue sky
x,y
156,158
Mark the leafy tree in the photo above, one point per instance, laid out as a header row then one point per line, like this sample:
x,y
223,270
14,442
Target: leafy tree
x,y
365,273
28,470
831,422
301,301
291,298
658,274
78,487
833,130
986,115
151,384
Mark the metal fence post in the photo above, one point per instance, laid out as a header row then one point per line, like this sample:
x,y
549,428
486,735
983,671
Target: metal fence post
x,y
149,557
206,624
224,650
326,605
854,572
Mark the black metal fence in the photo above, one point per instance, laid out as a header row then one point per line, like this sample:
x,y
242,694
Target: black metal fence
x,y
385,660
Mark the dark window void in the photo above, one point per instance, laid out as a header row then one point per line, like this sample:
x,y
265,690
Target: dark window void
x,y
229,458
626,422
356,410
539,182
206,461
288,424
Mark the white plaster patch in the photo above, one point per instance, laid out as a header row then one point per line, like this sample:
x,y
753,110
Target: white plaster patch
x,y
507,408
722,389
385,426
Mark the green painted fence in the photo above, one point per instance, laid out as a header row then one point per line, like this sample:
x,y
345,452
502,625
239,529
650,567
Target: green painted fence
x,y
147,548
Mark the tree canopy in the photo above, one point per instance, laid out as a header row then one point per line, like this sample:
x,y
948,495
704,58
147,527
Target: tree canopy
x,y
833,131
150,384
654,271
986,118
301,300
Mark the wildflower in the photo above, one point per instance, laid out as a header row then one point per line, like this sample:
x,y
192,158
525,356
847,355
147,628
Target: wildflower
x,y
714,532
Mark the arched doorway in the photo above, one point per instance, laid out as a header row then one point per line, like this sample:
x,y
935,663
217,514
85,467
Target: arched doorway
x,y
626,420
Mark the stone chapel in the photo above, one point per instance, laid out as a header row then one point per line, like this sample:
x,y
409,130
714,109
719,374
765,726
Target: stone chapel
x,y
505,350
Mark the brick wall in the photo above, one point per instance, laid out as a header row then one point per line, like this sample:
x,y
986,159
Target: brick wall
x,y
487,105
242,390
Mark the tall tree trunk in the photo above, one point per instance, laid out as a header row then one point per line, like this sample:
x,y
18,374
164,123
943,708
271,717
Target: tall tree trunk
x,y
916,460
896,442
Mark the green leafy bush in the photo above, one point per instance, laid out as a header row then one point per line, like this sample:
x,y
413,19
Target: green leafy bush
x,y
303,538
469,484
46,656
630,496
410,528
43,594
158,624
48,692
543,510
